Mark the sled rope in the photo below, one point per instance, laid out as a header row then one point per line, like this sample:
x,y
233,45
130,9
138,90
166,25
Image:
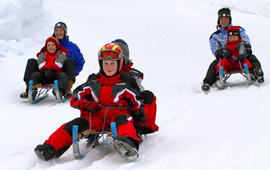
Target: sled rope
x,y
103,126
107,107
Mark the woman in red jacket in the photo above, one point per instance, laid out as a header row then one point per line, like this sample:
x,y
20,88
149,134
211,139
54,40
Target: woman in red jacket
x,y
109,97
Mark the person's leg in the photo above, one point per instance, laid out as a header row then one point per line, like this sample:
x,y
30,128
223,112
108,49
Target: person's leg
x,y
150,108
257,67
126,143
69,68
62,79
60,140
30,68
210,77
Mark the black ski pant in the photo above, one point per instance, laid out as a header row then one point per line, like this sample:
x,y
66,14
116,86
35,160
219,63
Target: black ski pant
x,y
69,68
254,61
211,76
62,79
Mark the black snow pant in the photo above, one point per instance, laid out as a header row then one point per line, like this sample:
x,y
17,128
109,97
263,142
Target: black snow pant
x,y
254,61
62,79
210,77
69,68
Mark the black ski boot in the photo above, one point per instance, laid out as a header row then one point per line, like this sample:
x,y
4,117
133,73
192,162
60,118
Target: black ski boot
x,y
205,87
252,75
126,147
45,152
259,74
24,95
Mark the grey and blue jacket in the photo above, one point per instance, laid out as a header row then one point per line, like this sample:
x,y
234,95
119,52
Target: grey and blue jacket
x,y
219,38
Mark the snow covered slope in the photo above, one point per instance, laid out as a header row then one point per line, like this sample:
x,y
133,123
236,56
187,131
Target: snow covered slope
x,y
168,41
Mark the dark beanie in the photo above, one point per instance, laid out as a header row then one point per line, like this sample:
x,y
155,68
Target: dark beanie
x,y
61,25
224,12
125,49
234,30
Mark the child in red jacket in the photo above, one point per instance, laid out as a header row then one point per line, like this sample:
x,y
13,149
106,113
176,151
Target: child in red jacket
x,y
110,96
50,61
234,51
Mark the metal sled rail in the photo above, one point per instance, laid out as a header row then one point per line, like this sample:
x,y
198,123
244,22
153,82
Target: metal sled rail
x,y
76,136
224,75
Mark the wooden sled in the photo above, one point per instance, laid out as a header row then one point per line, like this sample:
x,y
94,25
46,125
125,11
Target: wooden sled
x,y
77,136
41,92
224,75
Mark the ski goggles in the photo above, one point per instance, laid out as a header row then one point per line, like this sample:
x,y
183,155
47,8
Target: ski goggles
x,y
108,54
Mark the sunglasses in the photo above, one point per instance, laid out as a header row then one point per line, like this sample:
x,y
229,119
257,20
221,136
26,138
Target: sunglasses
x,y
109,54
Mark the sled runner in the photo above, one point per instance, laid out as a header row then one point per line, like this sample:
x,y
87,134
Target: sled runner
x,y
38,92
97,134
224,75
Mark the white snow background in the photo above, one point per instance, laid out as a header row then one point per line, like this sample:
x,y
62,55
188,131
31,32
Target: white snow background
x,y
168,41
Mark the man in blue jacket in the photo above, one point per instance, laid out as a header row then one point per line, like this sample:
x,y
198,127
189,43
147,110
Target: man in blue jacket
x,y
218,39
72,66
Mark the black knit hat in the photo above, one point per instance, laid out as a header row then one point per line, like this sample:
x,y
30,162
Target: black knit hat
x,y
224,12
234,30
61,25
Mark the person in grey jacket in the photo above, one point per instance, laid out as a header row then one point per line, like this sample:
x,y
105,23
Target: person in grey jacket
x,y
50,62
218,39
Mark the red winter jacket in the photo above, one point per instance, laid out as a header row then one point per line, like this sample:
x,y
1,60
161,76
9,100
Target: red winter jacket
x,y
236,48
118,93
51,60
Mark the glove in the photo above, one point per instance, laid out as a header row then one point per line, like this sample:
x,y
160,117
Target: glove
x,y
139,116
248,49
228,54
49,73
219,54
91,106
241,58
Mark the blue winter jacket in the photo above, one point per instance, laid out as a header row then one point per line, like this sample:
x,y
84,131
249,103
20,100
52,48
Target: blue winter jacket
x,y
219,38
74,52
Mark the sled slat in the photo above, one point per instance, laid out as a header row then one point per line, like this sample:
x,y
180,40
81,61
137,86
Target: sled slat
x,y
84,133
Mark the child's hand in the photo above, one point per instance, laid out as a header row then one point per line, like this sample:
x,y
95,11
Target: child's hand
x,y
241,58
49,73
228,54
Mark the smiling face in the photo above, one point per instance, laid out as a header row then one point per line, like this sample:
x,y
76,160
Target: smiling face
x,y
109,67
224,21
51,47
59,33
233,38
